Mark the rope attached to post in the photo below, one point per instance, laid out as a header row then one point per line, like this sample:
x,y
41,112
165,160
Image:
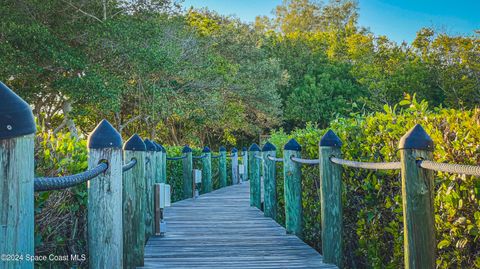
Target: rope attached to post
x,y
258,157
367,165
59,183
278,160
450,168
200,157
129,165
216,156
176,158
306,161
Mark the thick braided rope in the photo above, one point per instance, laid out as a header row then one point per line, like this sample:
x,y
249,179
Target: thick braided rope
x,y
274,159
450,168
59,183
305,161
367,165
176,158
129,165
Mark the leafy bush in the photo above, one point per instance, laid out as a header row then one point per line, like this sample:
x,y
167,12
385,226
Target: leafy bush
x,y
373,224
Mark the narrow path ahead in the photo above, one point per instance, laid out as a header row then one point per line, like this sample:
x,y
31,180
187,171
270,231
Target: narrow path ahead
x,y
221,230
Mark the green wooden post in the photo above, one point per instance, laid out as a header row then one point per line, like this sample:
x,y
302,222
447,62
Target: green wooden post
x,y
187,173
158,163
417,198
105,231
235,179
17,127
245,163
331,199
223,166
255,187
164,163
150,165
292,174
134,203
269,181
207,185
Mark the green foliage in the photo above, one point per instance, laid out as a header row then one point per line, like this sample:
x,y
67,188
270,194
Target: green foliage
x,y
372,199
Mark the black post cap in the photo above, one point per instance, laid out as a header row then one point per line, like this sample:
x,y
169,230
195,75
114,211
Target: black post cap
x,y
186,149
158,148
16,117
135,143
222,148
269,147
104,136
206,149
234,150
244,149
416,138
254,147
330,139
149,145
292,144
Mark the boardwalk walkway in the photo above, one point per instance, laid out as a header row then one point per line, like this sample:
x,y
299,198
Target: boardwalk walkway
x,y
221,230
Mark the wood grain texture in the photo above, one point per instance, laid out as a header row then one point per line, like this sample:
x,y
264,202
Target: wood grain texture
x,y
418,210
269,185
235,178
255,182
223,168
16,200
331,206
207,183
158,167
164,168
133,210
188,176
149,203
245,165
105,231
221,230
292,175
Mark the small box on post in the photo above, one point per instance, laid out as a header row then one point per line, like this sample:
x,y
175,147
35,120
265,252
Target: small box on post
x,y
162,200
197,179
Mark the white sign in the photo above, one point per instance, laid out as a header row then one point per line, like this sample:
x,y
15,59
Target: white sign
x,y
164,195
197,175
241,169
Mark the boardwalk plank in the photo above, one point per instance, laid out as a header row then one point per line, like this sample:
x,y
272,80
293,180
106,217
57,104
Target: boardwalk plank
x,y
221,230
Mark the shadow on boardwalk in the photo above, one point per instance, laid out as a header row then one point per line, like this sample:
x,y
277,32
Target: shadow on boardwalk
x,y
221,230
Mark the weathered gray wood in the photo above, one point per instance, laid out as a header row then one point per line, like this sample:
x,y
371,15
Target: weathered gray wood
x,y
269,182
207,184
16,199
234,158
331,200
223,167
245,164
292,175
254,175
134,208
220,230
188,189
417,199
150,166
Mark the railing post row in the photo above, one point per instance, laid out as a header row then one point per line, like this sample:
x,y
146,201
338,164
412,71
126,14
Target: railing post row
x,y
255,187
269,181
223,167
292,174
134,200
417,197
188,189
207,185
331,199
17,128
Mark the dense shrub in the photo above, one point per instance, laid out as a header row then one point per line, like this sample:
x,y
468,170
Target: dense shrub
x,y
373,225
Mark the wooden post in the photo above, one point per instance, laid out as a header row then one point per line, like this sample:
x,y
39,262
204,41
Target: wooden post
x,y
245,163
164,164
235,179
207,185
134,203
17,127
331,199
188,190
158,163
255,187
105,231
292,174
269,181
223,166
150,165
417,198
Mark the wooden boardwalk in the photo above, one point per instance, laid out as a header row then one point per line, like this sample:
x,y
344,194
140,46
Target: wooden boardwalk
x,y
221,230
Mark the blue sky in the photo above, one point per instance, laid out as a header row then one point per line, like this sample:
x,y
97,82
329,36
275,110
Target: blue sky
x,y
397,19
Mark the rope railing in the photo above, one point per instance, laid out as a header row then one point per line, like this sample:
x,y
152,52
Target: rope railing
x,y
216,156
199,157
367,165
59,183
129,165
450,168
274,159
258,157
176,158
305,161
